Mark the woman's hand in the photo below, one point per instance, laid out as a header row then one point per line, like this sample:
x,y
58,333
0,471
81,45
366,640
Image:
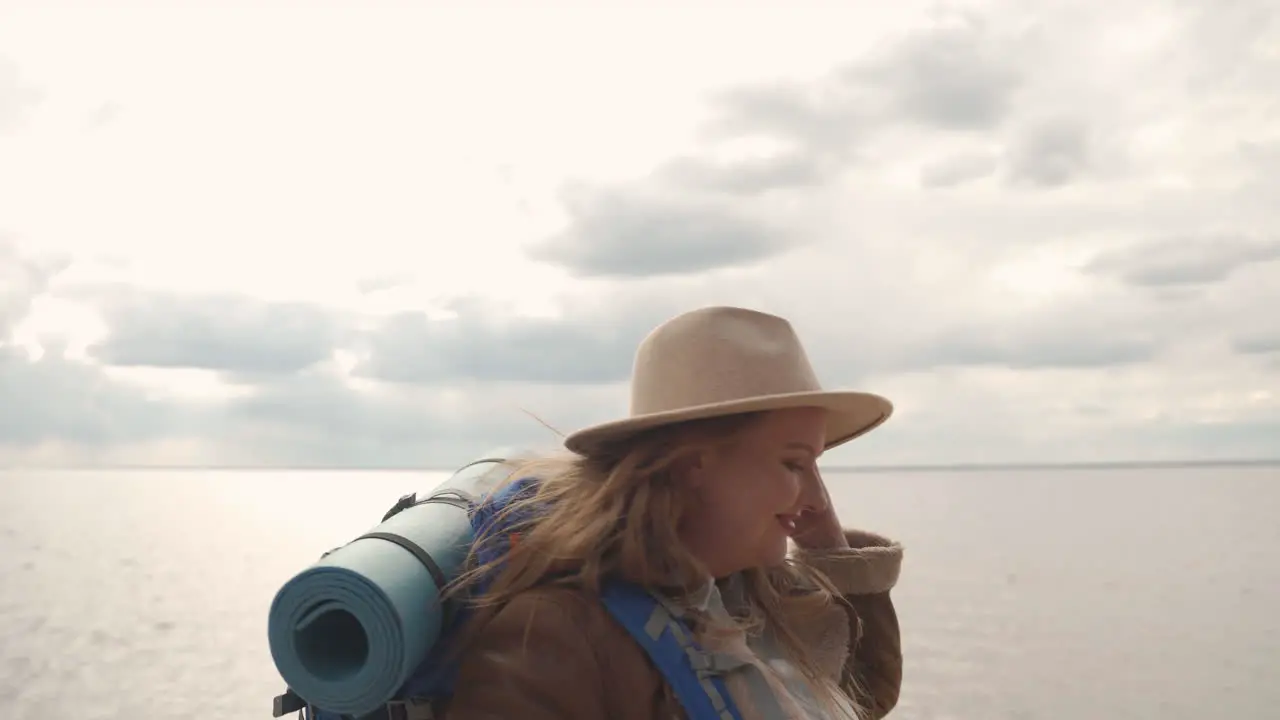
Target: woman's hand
x,y
818,527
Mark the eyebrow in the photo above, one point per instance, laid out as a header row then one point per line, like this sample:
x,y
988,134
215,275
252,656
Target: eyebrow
x,y
803,446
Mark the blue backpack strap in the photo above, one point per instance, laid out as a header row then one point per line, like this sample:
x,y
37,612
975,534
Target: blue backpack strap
x,y
692,673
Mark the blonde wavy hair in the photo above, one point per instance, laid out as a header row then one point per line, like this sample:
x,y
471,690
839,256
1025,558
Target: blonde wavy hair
x,y
617,514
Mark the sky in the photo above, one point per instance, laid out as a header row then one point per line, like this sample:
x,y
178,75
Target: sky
x,y
385,234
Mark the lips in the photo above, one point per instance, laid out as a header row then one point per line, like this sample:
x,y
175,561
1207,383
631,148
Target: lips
x,y
788,523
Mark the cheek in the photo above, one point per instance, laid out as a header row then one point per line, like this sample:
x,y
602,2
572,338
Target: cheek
x,y
726,510
778,490
744,502
765,497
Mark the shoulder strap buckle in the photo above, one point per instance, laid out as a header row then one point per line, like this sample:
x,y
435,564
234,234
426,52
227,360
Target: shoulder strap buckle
x,y
711,664
692,673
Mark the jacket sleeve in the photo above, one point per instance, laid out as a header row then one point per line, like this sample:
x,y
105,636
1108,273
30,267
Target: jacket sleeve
x,y
865,573
530,661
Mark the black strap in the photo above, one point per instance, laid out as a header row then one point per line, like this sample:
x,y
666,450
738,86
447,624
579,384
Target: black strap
x,y
448,496
481,461
405,502
427,561
287,703
291,702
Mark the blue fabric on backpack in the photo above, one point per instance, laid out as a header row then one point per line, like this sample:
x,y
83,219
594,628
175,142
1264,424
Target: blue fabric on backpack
x,y
633,607
496,524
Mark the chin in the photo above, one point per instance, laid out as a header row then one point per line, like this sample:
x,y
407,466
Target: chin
x,y
775,556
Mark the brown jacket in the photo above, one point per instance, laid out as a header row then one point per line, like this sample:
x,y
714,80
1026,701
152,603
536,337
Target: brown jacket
x,y
556,654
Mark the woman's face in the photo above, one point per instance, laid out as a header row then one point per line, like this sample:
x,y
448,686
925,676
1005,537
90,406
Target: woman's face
x,y
749,494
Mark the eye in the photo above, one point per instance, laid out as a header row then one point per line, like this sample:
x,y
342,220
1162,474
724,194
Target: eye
x,y
795,466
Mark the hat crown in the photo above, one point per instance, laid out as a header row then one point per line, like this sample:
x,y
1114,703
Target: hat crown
x,y
716,355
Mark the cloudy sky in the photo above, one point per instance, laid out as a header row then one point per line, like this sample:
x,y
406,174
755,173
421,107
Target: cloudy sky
x,y
385,234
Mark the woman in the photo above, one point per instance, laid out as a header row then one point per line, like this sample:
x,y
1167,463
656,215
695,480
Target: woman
x,y
694,498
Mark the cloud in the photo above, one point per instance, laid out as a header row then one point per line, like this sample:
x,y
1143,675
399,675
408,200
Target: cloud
x,y
818,116
321,420
593,341
1091,328
22,279
103,115
55,399
1186,260
955,75
382,283
584,348
688,215
792,169
851,337
642,232
230,333
962,76
51,398
1049,347
62,411
473,377
1235,49
317,420
16,97
1060,300
958,169
1259,344
1142,412
289,404
1051,153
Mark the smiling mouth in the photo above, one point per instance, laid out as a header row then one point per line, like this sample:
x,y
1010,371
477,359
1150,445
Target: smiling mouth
x,y
788,523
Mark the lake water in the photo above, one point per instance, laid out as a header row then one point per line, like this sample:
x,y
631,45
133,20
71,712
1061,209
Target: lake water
x,y
1025,595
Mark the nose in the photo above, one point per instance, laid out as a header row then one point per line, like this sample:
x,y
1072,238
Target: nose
x,y
813,497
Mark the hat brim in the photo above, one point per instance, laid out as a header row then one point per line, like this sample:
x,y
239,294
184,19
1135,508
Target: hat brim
x,y
851,415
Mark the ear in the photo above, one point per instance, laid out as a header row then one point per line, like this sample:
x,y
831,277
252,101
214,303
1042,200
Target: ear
x,y
692,469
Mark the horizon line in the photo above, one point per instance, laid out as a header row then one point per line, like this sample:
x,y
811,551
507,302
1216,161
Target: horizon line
x,y
902,467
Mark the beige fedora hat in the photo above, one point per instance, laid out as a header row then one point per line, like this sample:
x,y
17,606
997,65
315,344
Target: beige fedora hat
x,y
718,361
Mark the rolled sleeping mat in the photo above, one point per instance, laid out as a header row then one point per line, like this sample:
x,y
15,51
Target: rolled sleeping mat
x,y
346,632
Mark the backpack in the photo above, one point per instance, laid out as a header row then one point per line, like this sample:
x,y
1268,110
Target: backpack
x,y
693,674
